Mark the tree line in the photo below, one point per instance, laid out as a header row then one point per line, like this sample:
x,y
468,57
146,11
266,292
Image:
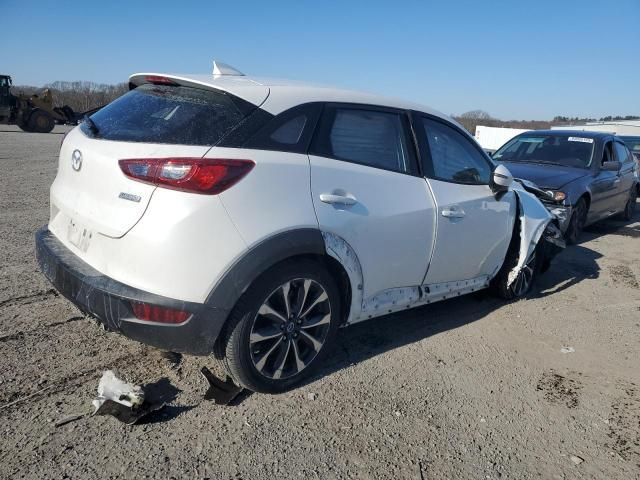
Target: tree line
x,y
83,96
469,120
80,96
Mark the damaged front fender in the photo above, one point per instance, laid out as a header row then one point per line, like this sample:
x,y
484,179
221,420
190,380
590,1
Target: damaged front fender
x,y
535,224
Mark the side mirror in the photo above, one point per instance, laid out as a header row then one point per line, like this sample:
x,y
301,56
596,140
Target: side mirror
x,y
611,166
501,179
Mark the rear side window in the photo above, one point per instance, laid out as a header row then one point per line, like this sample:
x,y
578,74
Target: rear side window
x,y
453,157
289,131
368,137
169,114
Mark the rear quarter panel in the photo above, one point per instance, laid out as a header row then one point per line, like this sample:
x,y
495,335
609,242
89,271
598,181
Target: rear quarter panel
x,y
274,197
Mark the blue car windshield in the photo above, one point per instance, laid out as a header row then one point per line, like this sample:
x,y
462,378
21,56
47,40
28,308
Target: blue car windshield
x,y
565,150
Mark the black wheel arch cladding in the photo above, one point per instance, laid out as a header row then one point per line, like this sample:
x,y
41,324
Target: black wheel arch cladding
x,y
235,282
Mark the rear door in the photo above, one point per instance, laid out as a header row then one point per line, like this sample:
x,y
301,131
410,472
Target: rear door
x,y
366,189
473,227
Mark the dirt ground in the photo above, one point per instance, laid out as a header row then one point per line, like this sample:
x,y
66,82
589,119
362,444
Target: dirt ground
x,y
471,388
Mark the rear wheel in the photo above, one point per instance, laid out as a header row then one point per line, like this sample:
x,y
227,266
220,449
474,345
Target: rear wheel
x,y
282,327
630,207
41,122
577,222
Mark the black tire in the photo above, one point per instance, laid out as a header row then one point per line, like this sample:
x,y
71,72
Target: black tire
x,y
526,278
41,122
577,222
23,126
244,353
630,207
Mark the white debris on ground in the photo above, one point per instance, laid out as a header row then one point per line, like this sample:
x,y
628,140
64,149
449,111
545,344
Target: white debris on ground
x,y
576,459
112,388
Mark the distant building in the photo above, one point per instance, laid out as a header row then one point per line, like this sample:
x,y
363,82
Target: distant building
x,y
492,138
619,127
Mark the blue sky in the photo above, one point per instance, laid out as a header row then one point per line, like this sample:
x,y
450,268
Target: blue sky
x,y
514,59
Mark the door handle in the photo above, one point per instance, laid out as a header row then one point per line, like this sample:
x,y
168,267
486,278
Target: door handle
x,y
453,212
338,199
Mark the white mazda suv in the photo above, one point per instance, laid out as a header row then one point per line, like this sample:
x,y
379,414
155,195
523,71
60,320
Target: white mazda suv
x,y
251,218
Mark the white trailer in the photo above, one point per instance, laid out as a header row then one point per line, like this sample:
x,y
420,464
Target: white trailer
x,y
492,138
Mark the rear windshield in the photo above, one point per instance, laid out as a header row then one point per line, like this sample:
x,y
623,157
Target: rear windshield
x,y
169,114
565,150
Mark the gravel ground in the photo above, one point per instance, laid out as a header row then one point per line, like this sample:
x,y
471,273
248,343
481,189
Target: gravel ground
x,y
472,388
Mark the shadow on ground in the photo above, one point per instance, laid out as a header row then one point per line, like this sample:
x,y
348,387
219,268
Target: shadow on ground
x,y
374,337
614,226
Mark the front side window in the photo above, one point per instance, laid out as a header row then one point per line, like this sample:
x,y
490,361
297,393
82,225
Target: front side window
x,y
607,152
453,157
566,150
369,137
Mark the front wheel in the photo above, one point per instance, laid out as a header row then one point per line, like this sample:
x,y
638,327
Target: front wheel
x,y
630,207
577,222
41,122
282,327
519,286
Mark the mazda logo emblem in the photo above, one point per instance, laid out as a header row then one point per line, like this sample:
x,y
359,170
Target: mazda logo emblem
x,y
76,160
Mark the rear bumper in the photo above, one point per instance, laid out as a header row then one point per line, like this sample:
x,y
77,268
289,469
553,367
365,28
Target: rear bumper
x,y
109,301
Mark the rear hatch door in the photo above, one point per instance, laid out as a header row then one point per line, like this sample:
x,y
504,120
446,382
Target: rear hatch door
x,y
152,121
91,189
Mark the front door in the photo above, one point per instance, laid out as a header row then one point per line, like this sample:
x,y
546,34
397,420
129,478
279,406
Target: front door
x,y
604,187
474,227
626,175
366,189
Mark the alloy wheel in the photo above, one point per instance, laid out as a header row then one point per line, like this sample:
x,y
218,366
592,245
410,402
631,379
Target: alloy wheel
x,y
290,328
523,281
631,205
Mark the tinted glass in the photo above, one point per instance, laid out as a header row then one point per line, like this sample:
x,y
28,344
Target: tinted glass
x,y
622,155
567,150
453,157
633,143
607,152
290,132
368,137
169,114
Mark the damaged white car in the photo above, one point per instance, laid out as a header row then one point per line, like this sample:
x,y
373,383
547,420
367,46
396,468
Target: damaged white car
x,y
250,218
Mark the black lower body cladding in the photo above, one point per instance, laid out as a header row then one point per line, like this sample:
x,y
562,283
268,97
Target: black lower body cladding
x,y
109,301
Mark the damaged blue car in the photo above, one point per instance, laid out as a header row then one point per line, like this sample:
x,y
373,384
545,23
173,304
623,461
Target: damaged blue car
x,y
589,176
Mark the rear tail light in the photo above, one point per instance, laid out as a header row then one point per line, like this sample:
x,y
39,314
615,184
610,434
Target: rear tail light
x,y
195,175
154,313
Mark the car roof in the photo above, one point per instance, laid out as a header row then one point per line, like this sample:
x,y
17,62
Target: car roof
x,y
283,94
575,133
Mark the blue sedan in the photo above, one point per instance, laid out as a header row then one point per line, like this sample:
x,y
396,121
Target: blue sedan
x,y
590,175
